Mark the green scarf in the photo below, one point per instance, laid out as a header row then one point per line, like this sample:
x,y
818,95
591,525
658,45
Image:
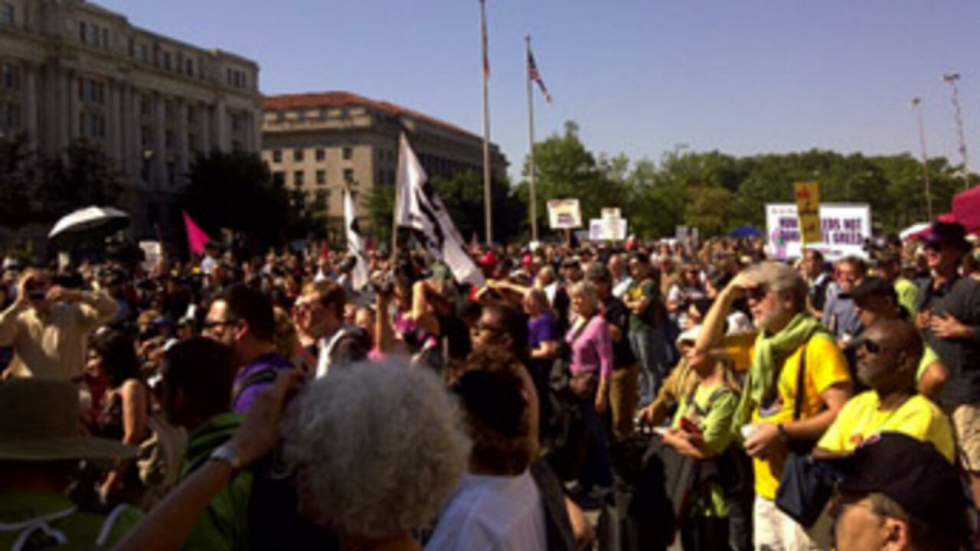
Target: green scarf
x,y
770,352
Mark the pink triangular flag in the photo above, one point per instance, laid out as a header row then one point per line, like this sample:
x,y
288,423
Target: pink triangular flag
x,y
196,238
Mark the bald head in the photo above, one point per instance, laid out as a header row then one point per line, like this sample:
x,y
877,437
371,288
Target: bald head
x,y
889,356
900,335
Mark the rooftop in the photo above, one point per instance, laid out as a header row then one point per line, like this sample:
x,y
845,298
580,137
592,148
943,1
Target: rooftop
x,y
340,99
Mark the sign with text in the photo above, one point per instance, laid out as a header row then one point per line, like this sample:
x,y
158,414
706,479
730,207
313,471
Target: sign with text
x,y
152,254
611,212
844,229
564,214
808,209
607,229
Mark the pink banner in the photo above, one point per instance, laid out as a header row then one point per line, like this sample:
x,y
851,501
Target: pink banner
x,y
196,238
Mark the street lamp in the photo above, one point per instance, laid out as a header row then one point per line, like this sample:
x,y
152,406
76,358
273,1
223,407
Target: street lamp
x,y
917,106
952,79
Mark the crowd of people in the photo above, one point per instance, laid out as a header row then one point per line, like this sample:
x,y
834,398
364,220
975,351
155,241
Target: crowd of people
x,y
694,396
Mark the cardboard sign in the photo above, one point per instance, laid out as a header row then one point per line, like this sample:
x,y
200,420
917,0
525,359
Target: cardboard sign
x,y
607,229
564,214
808,209
844,229
152,253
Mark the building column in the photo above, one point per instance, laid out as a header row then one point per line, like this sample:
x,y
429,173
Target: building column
x,y
159,146
255,118
221,125
70,127
30,104
117,151
204,123
183,149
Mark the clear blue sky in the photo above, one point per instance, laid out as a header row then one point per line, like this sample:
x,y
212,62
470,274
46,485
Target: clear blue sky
x,y
639,76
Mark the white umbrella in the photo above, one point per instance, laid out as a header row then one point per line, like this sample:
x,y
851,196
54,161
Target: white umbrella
x,y
913,230
87,219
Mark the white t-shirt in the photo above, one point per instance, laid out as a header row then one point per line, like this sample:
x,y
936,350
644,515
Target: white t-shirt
x,y
492,513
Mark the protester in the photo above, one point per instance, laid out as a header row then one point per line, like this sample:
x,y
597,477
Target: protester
x,y
646,328
244,319
624,382
498,504
876,300
320,312
889,267
40,447
368,478
900,494
840,314
48,326
949,316
123,410
775,413
818,281
590,367
888,353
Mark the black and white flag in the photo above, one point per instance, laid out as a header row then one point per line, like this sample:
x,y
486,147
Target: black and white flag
x,y
419,208
355,244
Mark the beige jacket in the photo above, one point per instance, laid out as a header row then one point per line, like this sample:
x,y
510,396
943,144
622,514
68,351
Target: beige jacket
x,y
54,347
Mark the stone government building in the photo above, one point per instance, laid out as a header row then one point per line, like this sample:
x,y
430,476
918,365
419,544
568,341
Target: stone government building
x,y
320,142
70,69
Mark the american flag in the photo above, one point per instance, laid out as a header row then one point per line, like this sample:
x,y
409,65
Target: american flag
x,y
533,74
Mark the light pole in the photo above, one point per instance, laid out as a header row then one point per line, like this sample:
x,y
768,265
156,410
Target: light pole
x,y
917,106
952,79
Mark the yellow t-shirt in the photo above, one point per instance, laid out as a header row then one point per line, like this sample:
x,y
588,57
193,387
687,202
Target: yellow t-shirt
x,y
825,367
860,419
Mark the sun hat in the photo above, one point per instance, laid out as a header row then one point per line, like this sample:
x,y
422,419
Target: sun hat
x,y
41,422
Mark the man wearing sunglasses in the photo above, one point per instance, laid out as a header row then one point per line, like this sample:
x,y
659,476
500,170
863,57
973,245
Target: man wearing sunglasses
x,y
243,319
888,355
776,413
949,317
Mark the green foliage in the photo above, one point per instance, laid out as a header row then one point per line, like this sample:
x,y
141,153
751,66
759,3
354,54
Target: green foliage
x,y
36,188
717,192
236,191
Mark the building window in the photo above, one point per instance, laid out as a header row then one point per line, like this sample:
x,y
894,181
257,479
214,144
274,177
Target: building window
x,y
321,200
6,14
348,153
146,105
82,31
279,179
9,77
191,114
298,178
277,155
349,175
168,109
321,177
189,67
105,38
169,140
146,136
321,154
236,145
144,53
298,155
192,143
166,60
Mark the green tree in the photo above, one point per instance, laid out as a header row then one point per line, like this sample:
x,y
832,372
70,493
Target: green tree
x,y
18,175
235,191
83,176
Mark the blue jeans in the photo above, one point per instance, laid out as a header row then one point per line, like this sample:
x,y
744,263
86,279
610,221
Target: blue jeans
x,y
650,348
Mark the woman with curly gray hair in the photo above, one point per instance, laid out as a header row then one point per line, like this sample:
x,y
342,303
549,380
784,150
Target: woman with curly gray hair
x,y
377,450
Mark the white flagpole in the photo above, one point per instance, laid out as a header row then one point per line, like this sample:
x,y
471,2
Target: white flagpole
x,y
530,156
487,196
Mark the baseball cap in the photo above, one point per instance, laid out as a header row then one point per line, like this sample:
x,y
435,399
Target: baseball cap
x,y
913,474
947,233
873,286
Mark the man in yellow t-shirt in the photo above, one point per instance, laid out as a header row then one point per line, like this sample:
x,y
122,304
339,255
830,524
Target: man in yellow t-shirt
x,y
766,416
888,357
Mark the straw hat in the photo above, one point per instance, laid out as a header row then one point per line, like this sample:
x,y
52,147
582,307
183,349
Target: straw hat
x,y
41,422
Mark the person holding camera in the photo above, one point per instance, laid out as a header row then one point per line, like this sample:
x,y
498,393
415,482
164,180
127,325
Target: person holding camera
x,y
48,327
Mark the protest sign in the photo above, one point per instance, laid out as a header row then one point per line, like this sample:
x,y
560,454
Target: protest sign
x,y
152,253
611,212
564,214
844,229
808,209
607,229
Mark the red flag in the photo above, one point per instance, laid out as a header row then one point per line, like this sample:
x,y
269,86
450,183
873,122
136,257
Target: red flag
x,y
196,238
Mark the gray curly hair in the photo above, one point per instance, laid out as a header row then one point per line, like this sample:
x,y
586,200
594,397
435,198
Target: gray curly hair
x,y
378,448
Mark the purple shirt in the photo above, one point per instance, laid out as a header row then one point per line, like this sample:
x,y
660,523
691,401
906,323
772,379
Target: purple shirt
x,y
541,329
591,347
270,363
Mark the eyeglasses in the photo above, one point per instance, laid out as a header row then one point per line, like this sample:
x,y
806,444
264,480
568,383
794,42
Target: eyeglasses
x,y
870,346
211,324
756,293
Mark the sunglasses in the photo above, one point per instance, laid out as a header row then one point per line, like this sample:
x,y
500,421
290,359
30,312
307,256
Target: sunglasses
x,y
870,346
218,323
756,293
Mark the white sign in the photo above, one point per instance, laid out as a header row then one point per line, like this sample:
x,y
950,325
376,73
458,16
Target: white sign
x,y
152,253
611,212
845,228
607,229
564,214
